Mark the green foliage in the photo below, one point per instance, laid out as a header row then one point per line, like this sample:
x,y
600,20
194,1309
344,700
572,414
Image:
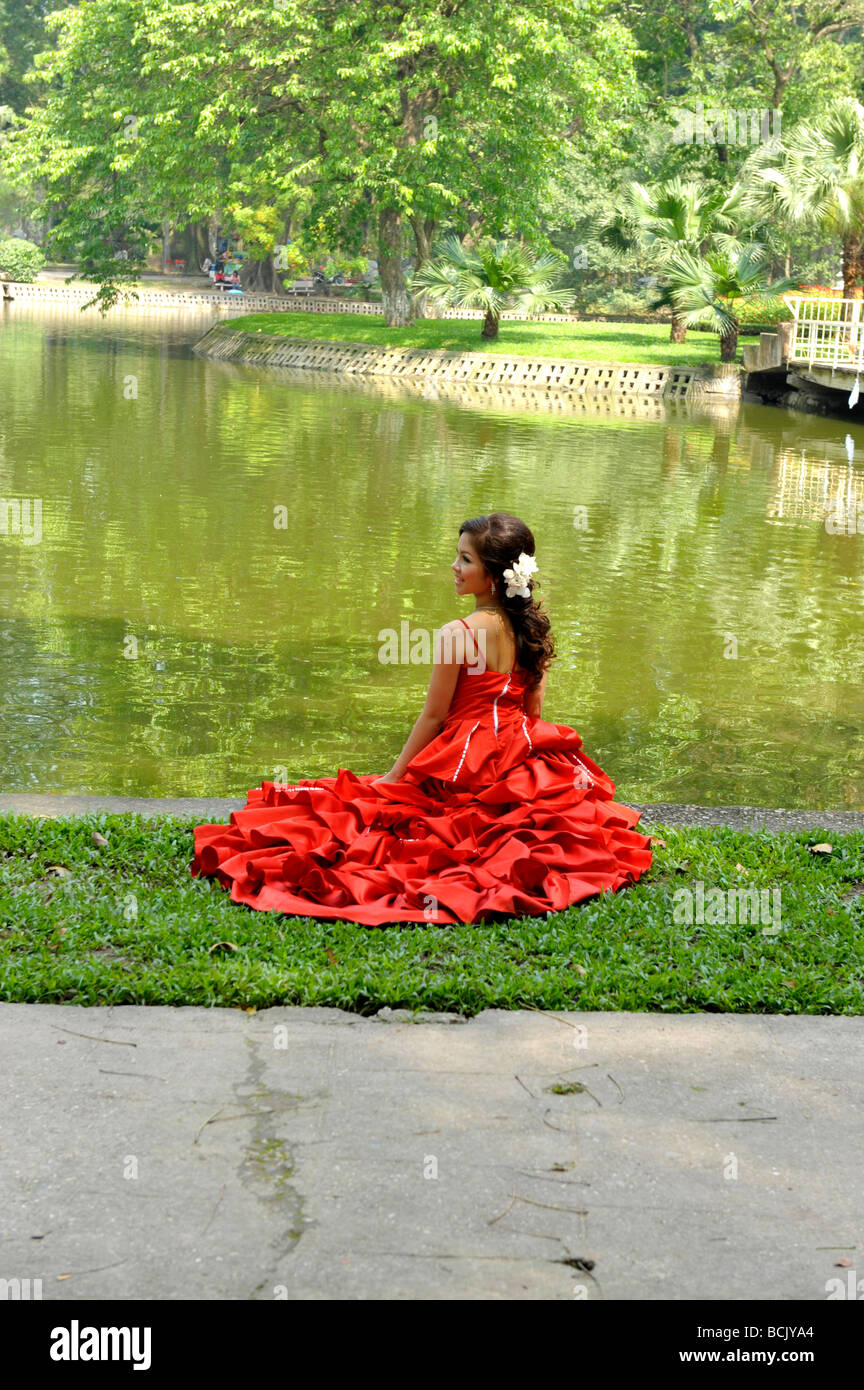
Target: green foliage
x,y
22,35
20,260
153,110
260,228
707,290
762,309
620,301
816,175
493,276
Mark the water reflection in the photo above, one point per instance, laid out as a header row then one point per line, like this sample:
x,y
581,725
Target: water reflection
x,y
169,636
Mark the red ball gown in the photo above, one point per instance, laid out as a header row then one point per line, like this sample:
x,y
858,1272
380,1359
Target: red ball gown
x,y
502,813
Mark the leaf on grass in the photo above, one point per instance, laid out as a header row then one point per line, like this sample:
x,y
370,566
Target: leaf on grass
x,y
580,969
739,869
655,840
332,956
99,839
221,946
820,849
790,984
58,871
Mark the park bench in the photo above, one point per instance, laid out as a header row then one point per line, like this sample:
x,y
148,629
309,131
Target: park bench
x,y
306,287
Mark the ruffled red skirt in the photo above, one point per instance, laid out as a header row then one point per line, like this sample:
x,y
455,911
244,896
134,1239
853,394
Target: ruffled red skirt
x,y
500,814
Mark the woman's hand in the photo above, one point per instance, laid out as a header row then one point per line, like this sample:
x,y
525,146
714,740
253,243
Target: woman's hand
x,y
388,777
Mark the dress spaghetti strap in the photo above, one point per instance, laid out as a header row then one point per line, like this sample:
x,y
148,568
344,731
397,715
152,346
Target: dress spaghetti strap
x,y
474,640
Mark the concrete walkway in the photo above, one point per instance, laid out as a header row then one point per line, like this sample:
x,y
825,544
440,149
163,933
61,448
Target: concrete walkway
x,y
187,1153
218,809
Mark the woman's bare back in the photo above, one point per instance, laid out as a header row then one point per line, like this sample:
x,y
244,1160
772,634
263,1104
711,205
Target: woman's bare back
x,y
500,644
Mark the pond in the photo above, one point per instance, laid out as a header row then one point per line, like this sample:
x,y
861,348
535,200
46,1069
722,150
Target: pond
x,y
220,550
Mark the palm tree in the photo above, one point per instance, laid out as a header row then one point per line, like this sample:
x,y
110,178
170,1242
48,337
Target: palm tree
x,y
493,276
816,178
672,216
706,290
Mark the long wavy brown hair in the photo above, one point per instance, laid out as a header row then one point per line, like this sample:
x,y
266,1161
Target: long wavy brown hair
x,y
499,540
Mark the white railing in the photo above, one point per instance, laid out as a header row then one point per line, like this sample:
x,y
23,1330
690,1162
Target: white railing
x,y
825,332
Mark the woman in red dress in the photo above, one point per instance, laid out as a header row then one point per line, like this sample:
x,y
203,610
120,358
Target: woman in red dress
x,y
488,809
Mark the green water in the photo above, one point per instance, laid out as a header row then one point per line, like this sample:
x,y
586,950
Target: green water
x,y
164,637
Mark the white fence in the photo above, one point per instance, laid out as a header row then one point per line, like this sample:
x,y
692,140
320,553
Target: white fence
x,y
221,302
826,332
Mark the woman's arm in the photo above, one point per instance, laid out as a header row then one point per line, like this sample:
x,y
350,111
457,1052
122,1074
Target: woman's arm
x,y
449,655
533,702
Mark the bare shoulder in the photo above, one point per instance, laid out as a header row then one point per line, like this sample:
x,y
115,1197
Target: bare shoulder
x,y
451,632
450,643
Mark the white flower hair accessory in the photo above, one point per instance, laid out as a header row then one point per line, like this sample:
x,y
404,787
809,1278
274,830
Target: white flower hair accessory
x,y
517,577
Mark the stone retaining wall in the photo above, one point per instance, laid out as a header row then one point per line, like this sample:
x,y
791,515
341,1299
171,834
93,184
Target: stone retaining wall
x,y
618,378
503,397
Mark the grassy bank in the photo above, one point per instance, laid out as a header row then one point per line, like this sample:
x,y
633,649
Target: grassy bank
x,y
124,923
585,342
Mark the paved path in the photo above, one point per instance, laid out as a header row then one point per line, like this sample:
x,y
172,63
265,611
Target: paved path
x,y
218,809
313,1154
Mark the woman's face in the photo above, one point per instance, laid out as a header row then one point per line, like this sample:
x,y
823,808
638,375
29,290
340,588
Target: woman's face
x,y
469,574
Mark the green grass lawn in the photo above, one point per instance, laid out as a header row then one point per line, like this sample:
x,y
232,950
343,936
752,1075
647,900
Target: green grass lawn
x,y
125,923
585,341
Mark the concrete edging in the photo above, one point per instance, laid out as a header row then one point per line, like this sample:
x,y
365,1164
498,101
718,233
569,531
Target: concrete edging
x,y
216,809
223,342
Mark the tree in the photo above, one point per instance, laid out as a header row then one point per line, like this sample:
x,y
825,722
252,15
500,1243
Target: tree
x,y
704,290
673,216
22,35
493,276
815,178
378,113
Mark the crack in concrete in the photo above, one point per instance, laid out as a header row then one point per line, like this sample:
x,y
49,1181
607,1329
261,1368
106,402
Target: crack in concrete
x,y
268,1164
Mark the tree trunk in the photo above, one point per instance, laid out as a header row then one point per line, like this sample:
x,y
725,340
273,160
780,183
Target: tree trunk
x,y
192,244
678,331
490,325
729,344
851,268
394,291
262,277
474,233
166,246
424,233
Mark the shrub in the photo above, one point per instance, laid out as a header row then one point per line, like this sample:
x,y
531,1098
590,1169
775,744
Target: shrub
x,y
761,309
620,301
20,260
